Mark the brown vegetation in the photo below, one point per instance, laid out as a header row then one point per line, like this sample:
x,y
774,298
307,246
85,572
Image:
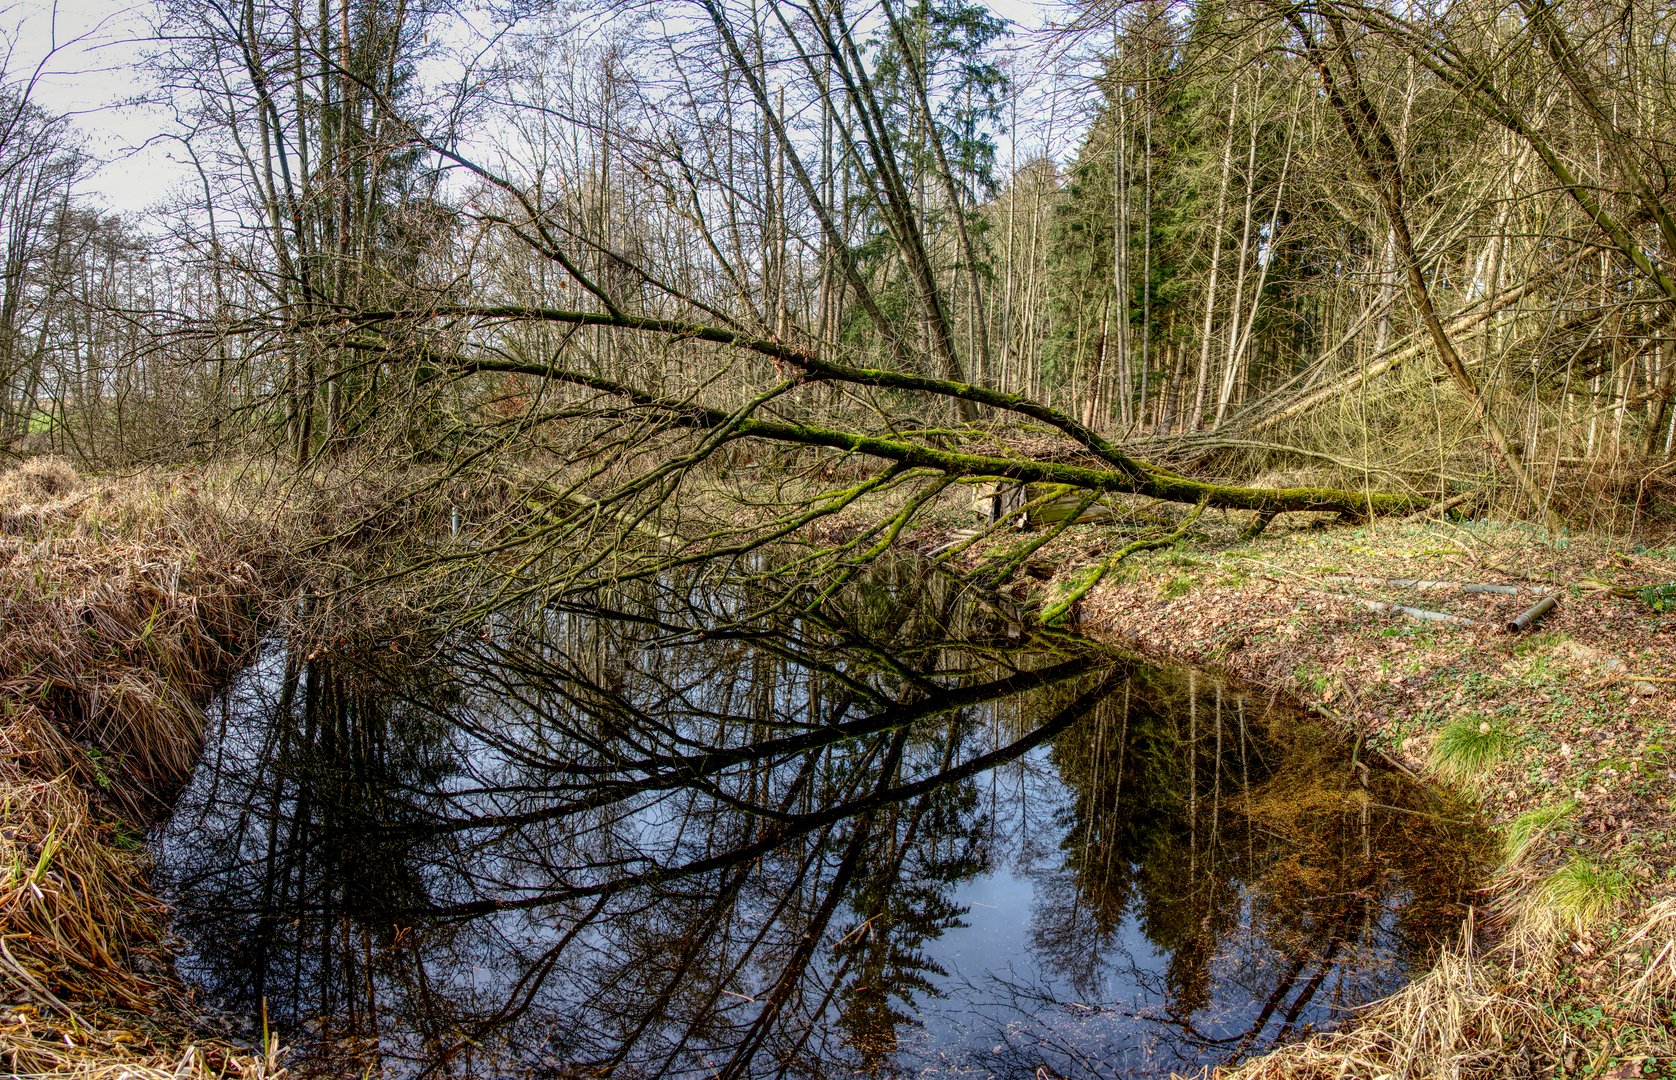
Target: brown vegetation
x,y
122,604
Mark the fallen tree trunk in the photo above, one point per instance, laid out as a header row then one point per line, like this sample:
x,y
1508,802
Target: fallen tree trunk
x,y
1110,469
1533,614
1130,477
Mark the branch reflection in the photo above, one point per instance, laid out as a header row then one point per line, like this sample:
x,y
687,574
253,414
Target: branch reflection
x,y
652,837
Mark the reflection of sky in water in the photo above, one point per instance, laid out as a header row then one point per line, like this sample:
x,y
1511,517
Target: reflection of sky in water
x,y
1001,1005
995,944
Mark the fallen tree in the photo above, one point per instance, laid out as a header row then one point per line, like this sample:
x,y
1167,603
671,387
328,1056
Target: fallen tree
x,y
832,332
1094,462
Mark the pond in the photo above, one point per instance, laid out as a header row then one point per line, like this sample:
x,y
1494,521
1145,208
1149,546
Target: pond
x,y
669,833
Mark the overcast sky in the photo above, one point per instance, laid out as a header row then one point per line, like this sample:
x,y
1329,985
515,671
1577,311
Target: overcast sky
x,y
92,74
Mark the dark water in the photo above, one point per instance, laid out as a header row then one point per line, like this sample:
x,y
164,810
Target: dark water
x,y
657,839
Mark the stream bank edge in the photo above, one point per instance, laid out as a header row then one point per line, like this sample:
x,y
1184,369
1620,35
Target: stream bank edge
x,y
1571,968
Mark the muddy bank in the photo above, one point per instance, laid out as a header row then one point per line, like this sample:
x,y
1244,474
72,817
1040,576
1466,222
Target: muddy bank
x,y
123,605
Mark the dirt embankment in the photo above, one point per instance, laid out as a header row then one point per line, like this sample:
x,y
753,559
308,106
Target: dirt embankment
x,y
123,604
1564,733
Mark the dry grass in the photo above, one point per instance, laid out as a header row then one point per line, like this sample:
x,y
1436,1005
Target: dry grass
x,y
122,604
1507,1012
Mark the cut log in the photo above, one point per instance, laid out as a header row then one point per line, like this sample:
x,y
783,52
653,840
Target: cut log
x,y
1059,509
1533,614
1423,614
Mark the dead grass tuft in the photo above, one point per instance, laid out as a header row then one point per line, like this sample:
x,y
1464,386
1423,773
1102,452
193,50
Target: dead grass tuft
x,y
122,603
1458,1020
1649,957
1496,1014
39,478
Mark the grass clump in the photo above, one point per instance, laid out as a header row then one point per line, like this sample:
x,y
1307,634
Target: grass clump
x,y
1583,892
1523,831
40,478
1468,747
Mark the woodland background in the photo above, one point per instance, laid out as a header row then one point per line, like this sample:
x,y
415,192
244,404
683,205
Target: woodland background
x,y
1417,250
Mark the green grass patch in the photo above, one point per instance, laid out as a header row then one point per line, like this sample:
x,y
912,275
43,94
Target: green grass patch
x,y
1318,682
1542,642
1522,831
98,760
1585,891
1661,598
1178,586
1470,745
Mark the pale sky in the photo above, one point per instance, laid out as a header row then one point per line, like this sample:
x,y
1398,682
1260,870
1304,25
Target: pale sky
x,y
93,75
89,52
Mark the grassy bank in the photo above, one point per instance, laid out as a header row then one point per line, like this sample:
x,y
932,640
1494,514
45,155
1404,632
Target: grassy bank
x,y
1564,734
123,604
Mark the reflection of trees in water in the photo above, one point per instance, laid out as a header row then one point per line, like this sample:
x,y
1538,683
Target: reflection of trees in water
x,y
615,843
1248,850
901,901
292,882
654,839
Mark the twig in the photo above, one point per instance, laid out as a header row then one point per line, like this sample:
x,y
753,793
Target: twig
x,y
1439,509
960,536
1424,584
1345,723
1626,677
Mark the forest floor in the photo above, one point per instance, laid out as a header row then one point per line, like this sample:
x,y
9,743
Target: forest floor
x,y
1564,734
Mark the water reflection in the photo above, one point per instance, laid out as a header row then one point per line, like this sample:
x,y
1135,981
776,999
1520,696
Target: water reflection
x,y
649,839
